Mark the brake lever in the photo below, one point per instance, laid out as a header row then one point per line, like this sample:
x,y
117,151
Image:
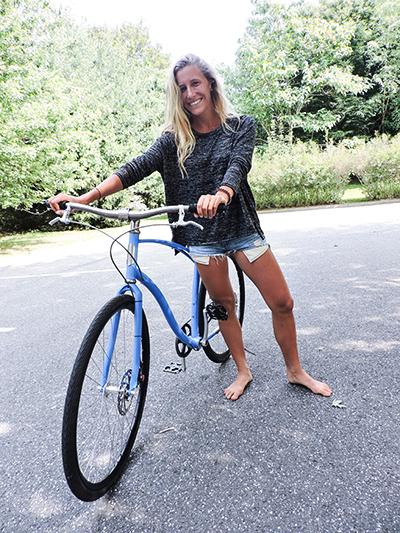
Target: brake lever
x,y
182,222
186,223
54,221
65,219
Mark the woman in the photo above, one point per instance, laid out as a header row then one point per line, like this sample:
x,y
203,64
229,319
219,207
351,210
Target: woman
x,y
204,156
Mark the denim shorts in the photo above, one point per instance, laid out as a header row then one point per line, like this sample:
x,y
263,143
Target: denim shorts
x,y
253,246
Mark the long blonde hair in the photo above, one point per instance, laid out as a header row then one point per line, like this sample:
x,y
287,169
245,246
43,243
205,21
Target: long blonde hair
x,y
178,119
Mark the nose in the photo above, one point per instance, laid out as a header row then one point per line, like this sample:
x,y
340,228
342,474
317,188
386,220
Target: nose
x,y
189,92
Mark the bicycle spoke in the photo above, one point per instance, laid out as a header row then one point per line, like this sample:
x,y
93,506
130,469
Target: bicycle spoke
x,y
105,355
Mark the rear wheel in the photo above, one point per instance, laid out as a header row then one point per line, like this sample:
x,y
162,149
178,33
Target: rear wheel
x,y
100,426
216,348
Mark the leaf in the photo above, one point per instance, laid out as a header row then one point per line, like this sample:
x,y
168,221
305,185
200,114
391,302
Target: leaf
x,y
339,404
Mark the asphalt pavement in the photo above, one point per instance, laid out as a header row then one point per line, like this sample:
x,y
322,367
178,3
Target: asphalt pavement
x,y
280,459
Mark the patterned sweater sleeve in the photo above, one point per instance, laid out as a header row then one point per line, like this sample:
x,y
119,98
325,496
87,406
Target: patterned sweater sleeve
x,y
143,165
241,155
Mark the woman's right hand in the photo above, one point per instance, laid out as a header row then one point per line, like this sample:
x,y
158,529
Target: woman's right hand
x,y
207,204
54,202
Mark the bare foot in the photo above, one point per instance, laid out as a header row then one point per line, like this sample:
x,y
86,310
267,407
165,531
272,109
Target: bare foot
x,y
237,388
301,377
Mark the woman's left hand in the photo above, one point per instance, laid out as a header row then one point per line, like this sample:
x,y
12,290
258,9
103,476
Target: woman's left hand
x,y
207,204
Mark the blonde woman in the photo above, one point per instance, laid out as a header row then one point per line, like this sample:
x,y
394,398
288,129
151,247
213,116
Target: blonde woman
x,y
204,156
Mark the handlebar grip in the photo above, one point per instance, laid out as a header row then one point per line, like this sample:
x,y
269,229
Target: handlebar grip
x,y
220,209
63,205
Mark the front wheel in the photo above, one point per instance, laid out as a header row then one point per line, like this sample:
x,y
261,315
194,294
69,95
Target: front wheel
x,y
216,348
100,423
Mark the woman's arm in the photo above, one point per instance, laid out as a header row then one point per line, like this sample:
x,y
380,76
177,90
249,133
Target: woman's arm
x,y
105,188
242,153
127,175
238,168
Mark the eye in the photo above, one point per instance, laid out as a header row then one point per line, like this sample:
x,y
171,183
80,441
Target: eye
x,y
182,88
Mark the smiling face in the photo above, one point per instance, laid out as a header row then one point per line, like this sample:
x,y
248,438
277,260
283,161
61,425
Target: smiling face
x,y
195,91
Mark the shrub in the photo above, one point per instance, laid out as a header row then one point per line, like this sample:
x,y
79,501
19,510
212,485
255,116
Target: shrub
x,y
381,176
151,191
297,175
305,174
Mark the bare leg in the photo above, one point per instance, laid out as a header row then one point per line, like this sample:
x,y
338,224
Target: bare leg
x,y
215,277
268,278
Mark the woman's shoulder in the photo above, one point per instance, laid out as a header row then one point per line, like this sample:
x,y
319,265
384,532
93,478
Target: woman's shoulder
x,y
240,122
166,140
167,136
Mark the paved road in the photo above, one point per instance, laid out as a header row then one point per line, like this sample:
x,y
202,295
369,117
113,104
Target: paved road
x,y
279,459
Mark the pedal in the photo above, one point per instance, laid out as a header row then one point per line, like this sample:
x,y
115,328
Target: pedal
x,y
216,311
183,350
175,368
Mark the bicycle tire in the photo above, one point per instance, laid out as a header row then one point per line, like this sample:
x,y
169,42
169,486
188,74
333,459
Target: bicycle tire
x,y
216,350
83,420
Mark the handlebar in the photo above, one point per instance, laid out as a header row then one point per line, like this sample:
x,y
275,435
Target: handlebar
x,y
126,214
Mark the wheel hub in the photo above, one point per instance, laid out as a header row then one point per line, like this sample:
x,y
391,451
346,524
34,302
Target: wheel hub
x,y
124,396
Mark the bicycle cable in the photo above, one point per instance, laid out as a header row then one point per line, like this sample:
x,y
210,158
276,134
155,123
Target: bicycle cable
x,y
126,249
115,240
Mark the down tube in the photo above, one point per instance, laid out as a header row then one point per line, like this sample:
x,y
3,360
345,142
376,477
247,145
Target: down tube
x,y
191,341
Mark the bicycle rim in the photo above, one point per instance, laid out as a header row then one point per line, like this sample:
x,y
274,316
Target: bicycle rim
x,y
100,426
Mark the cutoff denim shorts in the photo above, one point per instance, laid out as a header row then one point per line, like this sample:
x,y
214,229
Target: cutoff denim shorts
x,y
253,246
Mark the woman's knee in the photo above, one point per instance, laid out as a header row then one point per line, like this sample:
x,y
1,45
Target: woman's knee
x,y
284,305
227,301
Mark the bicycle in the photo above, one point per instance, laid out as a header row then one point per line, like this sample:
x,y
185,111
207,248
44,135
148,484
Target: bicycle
x,y
108,384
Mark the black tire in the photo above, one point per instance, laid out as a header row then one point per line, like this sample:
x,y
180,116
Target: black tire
x,y
216,350
94,453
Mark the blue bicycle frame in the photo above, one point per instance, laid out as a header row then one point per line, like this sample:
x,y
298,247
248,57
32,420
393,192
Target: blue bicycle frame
x,y
133,275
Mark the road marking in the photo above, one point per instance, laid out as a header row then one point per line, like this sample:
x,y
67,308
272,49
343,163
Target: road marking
x,y
308,331
59,274
4,428
6,330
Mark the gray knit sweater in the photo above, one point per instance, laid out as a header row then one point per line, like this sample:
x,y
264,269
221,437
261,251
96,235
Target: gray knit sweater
x,y
220,157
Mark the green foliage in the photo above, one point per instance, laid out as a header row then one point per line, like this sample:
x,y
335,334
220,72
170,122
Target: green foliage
x,y
320,71
76,103
381,174
291,65
298,175
151,191
304,174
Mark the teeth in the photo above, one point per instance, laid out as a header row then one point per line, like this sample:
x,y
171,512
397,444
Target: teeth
x,y
196,102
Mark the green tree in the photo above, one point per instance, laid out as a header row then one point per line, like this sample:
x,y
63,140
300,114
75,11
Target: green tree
x,y
290,66
26,114
75,103
314,71
375,57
